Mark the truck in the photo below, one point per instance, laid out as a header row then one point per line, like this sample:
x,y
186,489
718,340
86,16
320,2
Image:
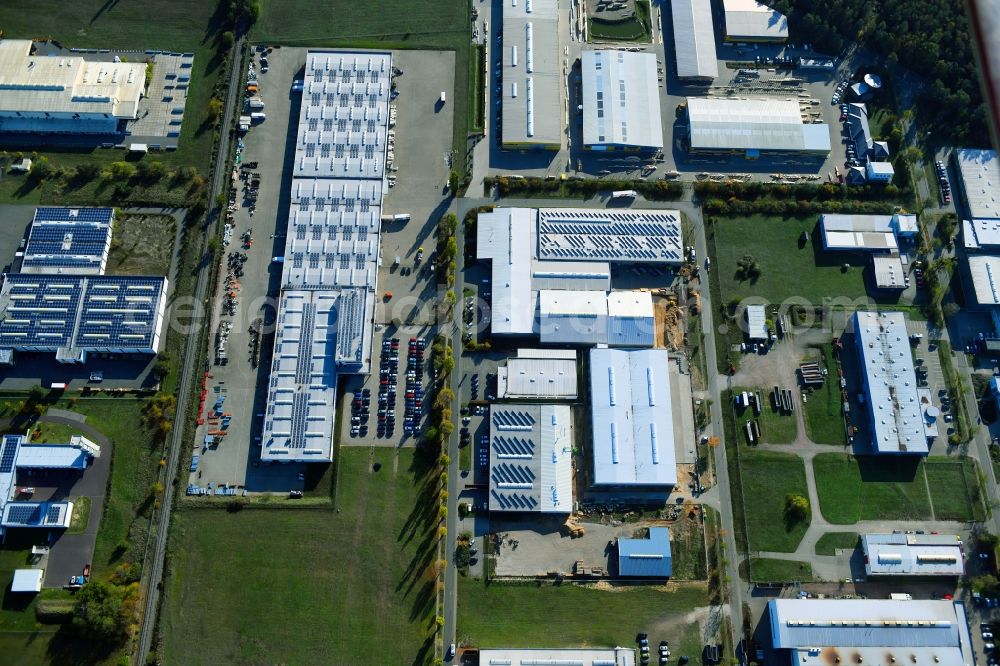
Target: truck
x,y
402,217
255,103
442,98
258,117
624,194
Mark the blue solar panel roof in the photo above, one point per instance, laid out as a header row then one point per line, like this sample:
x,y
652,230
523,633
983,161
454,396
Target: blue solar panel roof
x,y
9,453
54,214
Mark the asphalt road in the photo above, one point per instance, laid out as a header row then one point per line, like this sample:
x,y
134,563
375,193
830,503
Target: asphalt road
x,y
189,365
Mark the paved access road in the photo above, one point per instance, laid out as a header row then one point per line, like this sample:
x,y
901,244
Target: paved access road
x,y
189,368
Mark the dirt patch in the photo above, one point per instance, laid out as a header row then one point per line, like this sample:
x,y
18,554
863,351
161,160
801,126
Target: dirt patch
x,y
669,320
142,244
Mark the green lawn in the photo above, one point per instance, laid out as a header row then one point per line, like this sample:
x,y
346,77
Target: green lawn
x,y
465,456
853,489
398,24
52,433
179,25
636,29
687,550
789,267
768,477
352,585
515,615
767,570
822,409
831,541
775,428
955,489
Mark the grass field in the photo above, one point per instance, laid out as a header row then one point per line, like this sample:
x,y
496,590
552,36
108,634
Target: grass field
x,y
179,25
766,570
399,24
789,267
768,477
45,432
687,550
502,615
955,489
352,585
824,421
831,541
637,29
853,489
142,245
774,427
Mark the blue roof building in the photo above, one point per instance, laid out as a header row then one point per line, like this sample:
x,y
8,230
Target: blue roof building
x,y
646,558
68,241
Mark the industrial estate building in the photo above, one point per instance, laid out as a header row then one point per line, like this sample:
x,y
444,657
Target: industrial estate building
x,y
913,555
874,154
538,374
61,302
68,240
648,557
751,21
551,275
812,632
17,455
979,182
531,458
66,94
531,92
328,281
753,127
895,412
632,419
867,233
888,272
621,101
694,40
756,317
617,656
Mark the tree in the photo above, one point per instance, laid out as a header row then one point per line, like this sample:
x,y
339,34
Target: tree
x,y
99,612
228,39
453,182
796,508
150,171
162,367
214,109
748,268
120,171
88,171
41,169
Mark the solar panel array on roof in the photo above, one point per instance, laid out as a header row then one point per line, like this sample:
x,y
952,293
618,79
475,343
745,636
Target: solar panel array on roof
x,y
76,247
58,214
9,453
604,235
24,513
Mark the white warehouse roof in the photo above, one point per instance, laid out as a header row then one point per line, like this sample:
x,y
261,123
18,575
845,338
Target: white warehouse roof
x,y
979,172
895,415
538,373
632,420
756,322
985,273
504,236
67,84
573,317
753,124
749,20
694,39
870,631
621,99
531,458
858,232
532,74
913,554
617,656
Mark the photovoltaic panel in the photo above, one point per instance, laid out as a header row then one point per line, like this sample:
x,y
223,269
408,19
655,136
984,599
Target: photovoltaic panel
x,y
8,455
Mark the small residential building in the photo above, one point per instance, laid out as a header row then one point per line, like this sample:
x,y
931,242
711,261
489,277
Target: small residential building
x,y
66,94
913,555
752,21
617,656
888,272
621,101
647,557
531,92
694,40
27,581
756,320
538,374
531,458
816,632
895,411
753,127
632,419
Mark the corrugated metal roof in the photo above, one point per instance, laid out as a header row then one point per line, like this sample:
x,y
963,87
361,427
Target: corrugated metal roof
x,y
858,232
537,373
694,39
505,236
632,418
753,124
756,322
531,94
979,173
985,273
646,558
894,413
621,99
913,554
531,451
981,233
750,20
617,656
889,272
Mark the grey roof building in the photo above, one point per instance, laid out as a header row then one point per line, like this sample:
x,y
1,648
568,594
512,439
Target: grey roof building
x,y
874,154
531,458
617,656
531,93
752,21
979,180
330,271
753,127
913,555
694,39
621,101
816,632
538,374
888,272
